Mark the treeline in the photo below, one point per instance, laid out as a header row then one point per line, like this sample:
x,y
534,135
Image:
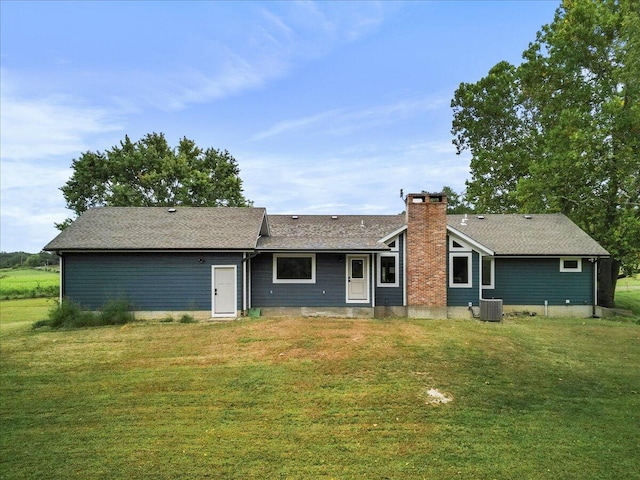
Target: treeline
x,y
23,259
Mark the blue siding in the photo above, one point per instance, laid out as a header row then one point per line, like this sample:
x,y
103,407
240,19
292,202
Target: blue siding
x,y
149,281
531,281
328,291
392,296
460,297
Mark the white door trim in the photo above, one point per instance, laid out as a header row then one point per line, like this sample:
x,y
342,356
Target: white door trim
x,y
366,279
234,311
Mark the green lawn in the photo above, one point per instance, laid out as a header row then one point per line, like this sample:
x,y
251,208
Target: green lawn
x,y
628,294
28,283
23,312
322,398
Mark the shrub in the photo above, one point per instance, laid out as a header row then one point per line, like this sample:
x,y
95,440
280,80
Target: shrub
x,y
68,314
116,312
186,318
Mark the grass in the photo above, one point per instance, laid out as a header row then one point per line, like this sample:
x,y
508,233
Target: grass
x,y
322,398
628,294
22,313
28,283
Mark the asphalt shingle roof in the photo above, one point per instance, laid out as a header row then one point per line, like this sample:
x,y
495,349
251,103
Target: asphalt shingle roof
x,y
229,228
327,232
156,228
513,234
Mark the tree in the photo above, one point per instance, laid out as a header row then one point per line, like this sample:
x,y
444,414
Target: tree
x,y
561,132
455,201
151,173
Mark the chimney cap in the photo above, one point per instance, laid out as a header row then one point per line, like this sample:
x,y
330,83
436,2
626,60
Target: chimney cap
x,y
427,197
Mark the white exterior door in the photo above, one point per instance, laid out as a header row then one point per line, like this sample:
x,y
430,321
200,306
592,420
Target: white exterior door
x,y
224,291
357,278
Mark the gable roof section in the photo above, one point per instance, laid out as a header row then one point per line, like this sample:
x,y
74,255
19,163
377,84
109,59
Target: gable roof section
x,y
329,233
514,234
159,228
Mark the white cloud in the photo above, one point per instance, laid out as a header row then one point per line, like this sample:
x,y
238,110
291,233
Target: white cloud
x,y
343,121
358,180
41,127
298,123
267,43
38,135
31,204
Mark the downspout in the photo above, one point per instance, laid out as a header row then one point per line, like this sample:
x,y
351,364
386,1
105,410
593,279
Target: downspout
x,y
61,293
479,276
404,270
244,283
372,277
595,287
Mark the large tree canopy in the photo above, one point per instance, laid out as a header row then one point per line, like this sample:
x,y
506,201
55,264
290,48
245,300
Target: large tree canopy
x,y
561,132
151,173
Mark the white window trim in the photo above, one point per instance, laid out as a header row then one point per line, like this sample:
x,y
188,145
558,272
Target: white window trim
x,y
578,269
396,247
462,248
469,258
492,285
379,276
294,255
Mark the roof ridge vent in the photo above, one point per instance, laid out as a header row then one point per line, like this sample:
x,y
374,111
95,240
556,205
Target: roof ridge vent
x,y
171,210
295,217
528,217
334,217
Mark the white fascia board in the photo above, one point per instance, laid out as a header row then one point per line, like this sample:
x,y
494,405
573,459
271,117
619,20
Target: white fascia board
x,y
467,239
393,234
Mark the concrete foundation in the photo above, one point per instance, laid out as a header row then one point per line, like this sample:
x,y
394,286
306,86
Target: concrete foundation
x,y
329,312
197,315
427,312
460,313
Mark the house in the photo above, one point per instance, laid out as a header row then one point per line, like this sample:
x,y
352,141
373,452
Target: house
x,y
224,262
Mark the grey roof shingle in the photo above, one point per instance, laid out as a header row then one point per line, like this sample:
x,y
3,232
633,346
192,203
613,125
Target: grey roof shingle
x,y
513,234
155,228
229,228
326,232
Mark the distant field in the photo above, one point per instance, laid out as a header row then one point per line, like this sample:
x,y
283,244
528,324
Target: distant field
x,y
28,283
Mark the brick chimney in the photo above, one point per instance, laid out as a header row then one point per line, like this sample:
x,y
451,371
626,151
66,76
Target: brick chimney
x,y
427,254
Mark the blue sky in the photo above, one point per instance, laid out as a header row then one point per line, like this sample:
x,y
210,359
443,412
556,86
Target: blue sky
x,y
328,107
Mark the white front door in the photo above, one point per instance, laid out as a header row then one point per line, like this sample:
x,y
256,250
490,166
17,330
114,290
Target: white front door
x,y
357,278
224,294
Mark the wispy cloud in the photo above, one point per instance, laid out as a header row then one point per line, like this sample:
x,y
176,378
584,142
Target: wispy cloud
x,y
41,127
31,204
278,37
361,179
346,121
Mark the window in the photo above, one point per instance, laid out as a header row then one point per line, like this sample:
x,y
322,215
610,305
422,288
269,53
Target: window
x,y
456,245
460,270
570,264
299,268
388,270
488,272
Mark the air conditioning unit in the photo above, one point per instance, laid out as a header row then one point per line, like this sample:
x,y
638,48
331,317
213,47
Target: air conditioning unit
x,y
491,310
